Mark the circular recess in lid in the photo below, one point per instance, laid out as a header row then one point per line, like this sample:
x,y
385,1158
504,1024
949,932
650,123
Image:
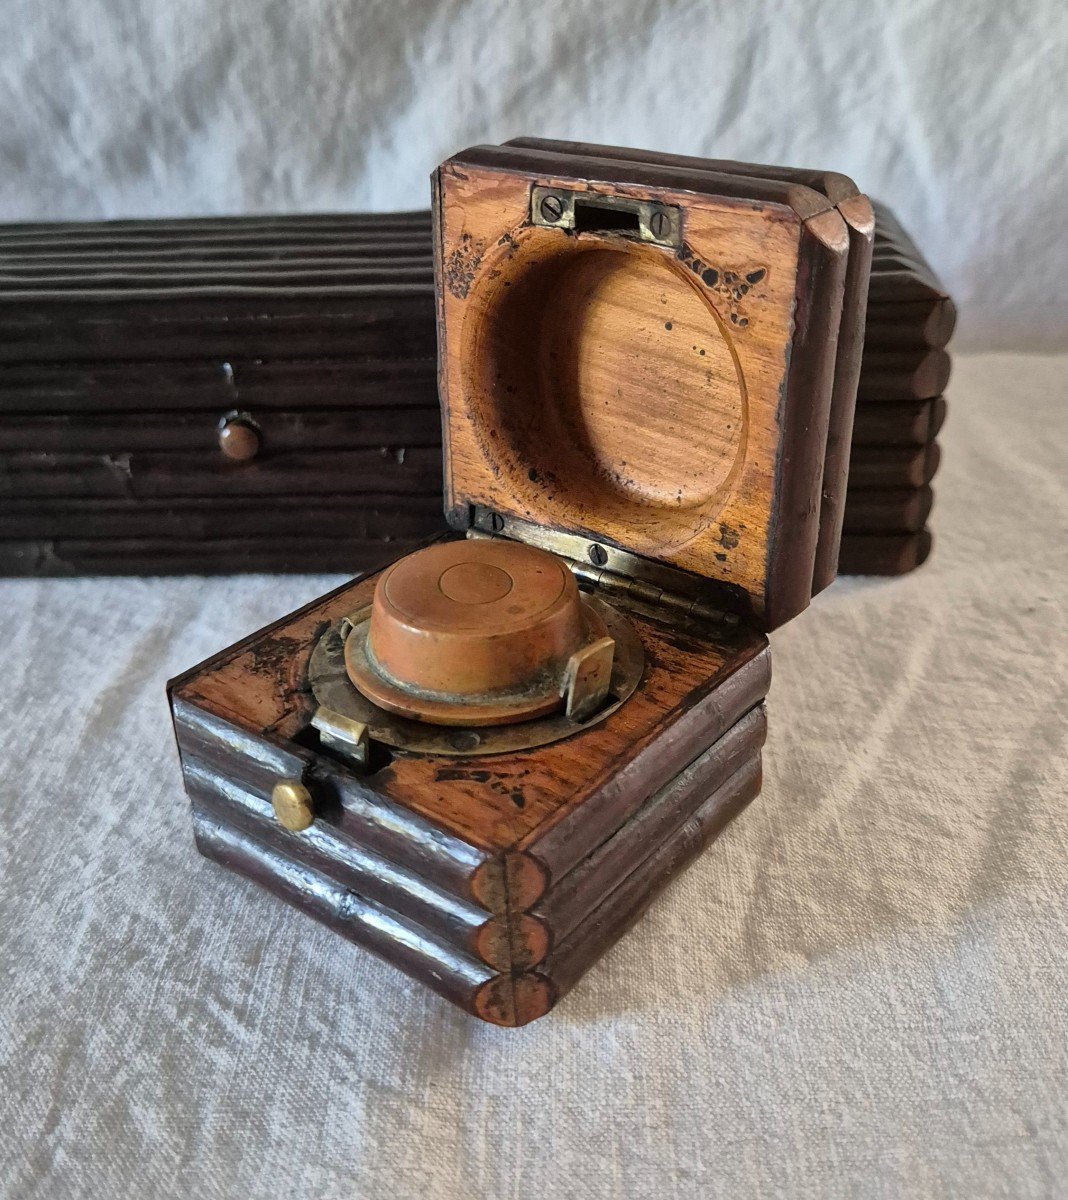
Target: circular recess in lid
x,y
606,388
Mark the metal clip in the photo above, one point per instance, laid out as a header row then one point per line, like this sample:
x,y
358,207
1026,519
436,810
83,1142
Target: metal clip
x,y
587,677
342,733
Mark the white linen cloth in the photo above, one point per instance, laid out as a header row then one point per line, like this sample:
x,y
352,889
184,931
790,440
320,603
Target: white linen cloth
x,y
858,992
952,113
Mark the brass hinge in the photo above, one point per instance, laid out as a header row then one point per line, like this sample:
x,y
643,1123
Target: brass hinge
x,y
612,571
647,593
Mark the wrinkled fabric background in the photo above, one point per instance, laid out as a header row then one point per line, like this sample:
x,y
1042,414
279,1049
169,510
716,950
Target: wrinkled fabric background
x,y
860,990
954,113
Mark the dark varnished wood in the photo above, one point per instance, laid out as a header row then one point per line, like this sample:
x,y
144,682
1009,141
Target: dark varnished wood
x,y
694,689
381,320
96,537
379,470
213,386
897,375
579,891
893,466
892,324
104,555
506,998
497,879
458,977
603,927
503,941
885,553
186,523
889,510
912,423
310,429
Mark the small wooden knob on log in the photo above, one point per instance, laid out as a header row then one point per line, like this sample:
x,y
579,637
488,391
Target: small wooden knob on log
x,y
239,439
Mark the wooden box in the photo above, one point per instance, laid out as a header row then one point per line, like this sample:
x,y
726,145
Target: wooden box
x,y
176,395
114,464
638,371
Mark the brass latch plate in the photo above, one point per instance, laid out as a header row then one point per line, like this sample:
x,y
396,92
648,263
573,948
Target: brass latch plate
x,y
592,212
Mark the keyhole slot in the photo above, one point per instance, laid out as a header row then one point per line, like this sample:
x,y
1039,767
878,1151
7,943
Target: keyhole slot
x,y
595,218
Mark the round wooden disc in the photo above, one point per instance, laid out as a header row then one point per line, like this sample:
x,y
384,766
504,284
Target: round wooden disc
x,y
475,631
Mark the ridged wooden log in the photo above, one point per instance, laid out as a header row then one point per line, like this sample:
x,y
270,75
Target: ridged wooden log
x,y
884,554
893,467
903,375
914,423
888,510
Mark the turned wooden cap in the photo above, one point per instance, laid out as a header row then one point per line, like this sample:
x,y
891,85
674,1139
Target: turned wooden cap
x,y
471,631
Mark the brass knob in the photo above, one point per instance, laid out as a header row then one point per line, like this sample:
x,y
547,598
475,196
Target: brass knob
x,y
292,804
239,439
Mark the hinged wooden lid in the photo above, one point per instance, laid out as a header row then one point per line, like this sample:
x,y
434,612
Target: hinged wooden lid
x,y
642,354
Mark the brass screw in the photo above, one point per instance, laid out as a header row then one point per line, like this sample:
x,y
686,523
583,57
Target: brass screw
x,y
292,804
659,224
552,208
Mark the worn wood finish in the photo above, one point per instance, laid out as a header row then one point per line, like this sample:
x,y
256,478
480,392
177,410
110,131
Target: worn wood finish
x,y
910,321
105,555
590,881
380,470
461,859
695,687
458,977
858,217
217,386
498,879
382,320
108,393
194,431
603,927
142,290
885,553
12,233
904,324
502,941
511,998
630,476
343,517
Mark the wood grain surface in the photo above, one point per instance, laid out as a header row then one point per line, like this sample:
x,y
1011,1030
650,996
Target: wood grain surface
x,y
856,212
165,386
477,876
550,802
617,463
53,521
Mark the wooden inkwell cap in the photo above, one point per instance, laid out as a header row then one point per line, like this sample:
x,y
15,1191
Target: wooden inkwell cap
x,y
476,632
